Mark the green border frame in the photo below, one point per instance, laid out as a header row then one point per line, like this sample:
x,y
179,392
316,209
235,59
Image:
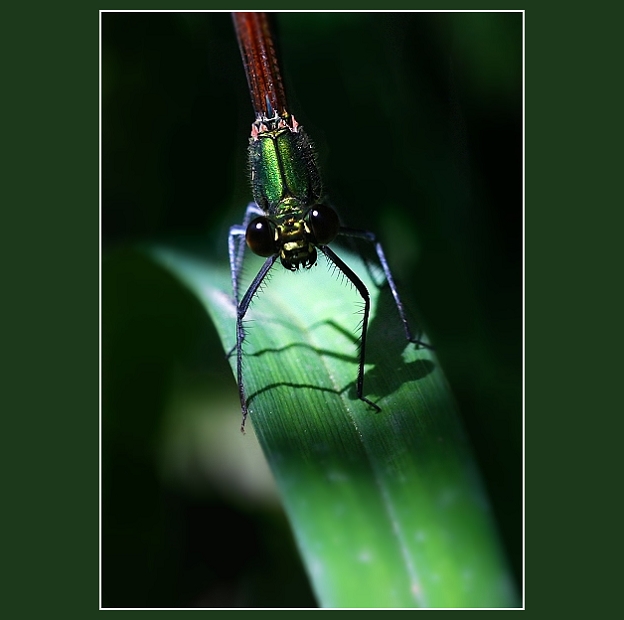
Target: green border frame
x,y
54,110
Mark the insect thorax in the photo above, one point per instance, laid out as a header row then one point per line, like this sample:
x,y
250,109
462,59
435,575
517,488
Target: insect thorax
x,y
283,165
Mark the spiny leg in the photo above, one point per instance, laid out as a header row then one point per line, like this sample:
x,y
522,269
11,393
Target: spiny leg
x,y
236,251
371,238
241,310
363,291
236,245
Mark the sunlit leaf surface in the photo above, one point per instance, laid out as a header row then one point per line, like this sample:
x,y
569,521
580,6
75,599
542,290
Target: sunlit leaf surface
x,y
387,508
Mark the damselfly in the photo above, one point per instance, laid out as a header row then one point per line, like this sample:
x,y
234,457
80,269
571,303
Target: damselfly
x,y
289,219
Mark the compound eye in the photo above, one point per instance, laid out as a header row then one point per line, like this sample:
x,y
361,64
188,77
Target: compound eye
x,y
260,236
324,224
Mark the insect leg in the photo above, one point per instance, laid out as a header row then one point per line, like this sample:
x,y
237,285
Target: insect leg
x,y
363,291
236,246
236,251
241,310
371,238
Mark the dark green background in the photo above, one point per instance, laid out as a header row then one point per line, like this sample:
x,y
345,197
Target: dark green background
x,y
418,123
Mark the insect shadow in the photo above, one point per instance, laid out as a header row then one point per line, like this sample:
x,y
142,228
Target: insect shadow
x,y
387,371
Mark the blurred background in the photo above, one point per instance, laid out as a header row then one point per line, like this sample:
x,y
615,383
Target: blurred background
x,y
417,118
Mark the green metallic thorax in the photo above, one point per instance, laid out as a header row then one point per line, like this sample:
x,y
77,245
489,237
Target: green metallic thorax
x,y
284,172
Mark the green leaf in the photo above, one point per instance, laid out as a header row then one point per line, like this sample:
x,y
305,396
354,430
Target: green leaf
x,y
387,508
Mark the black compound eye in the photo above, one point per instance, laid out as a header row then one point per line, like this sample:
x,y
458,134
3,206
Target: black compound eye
x,y
324,224
260,236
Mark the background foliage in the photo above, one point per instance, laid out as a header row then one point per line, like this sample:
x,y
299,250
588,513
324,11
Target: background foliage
x,y
418,121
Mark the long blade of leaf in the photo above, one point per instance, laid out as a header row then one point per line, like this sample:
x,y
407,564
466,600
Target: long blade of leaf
x,y
387,508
